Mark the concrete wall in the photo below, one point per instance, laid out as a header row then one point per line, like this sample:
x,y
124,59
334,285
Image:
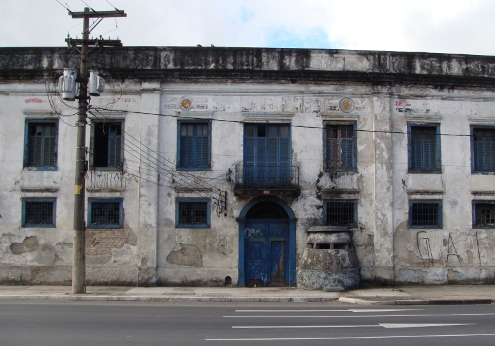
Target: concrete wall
x,y
232,87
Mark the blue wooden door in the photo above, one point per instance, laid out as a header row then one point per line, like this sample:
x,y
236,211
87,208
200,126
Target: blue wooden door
x,y
266,253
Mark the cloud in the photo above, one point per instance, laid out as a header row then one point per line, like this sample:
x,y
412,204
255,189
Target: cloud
x,y
422,25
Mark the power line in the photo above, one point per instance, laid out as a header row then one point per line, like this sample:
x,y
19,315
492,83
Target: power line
x,y
292,125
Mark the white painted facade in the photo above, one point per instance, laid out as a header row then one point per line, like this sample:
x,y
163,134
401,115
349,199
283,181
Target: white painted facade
x,y
150,249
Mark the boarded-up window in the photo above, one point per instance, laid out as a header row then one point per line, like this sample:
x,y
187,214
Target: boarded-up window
x,y
424,148
483,150
194,146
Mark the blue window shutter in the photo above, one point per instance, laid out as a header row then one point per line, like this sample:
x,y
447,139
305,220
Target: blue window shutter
x,y
201,144
429,152
347,153
114,147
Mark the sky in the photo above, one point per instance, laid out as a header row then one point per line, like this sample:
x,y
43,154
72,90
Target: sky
x,y
438,26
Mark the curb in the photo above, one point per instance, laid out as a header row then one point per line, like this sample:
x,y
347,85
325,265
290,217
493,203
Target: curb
x,y
169,298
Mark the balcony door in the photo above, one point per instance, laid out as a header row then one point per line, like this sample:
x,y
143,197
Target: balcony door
x,y
267,155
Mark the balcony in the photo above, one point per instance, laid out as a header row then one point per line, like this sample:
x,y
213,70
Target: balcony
x,y
276,180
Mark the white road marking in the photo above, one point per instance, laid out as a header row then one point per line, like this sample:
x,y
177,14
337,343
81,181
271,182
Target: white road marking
x,y
383,325
354,316
346,310
357,337
421,325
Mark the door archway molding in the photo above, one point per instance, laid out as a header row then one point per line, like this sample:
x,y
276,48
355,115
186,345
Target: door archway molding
x,y
292,237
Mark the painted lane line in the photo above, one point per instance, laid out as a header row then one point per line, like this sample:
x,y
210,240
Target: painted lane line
x,y
354,316
357,337
381,325
347,310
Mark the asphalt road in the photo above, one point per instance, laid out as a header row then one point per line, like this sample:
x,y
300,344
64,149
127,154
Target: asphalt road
x,y
132,323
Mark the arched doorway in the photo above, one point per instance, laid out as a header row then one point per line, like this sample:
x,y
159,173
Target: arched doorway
x,y
266,243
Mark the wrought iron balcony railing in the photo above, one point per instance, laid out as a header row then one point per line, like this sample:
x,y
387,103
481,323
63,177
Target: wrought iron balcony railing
x,y
282,178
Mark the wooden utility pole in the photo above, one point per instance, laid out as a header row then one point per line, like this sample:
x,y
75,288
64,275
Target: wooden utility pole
x,y
83,47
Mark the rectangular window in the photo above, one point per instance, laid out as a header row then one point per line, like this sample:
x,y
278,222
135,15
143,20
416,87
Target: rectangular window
x,y
483,214
41,144
194,145
424,148
38,212
106,145
105,213
267,156
340,213
192,213
425,214
340,148
483,150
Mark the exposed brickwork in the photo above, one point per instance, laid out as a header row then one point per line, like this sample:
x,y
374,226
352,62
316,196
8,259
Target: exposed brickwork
x,y
101,241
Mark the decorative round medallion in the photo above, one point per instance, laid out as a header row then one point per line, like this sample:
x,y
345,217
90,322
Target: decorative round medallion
x,y
185,104
346,105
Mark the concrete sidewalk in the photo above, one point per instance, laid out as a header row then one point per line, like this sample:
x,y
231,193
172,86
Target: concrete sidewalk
x,y
403,295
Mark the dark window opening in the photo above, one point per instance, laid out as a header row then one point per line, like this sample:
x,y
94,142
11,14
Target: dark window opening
x,y
484,214
340,246
426,214
322,246
39,213
193,213
105,214
340,214
340,150
107,145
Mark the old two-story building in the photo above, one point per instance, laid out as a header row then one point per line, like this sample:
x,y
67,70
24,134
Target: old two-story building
x,y
252,167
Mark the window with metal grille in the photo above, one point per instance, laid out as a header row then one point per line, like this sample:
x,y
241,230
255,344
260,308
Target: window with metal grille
x,y
340,213
194,145
424,148
484,214
38,212
106,145
425,214
193,213
105,213
41,144
483,150
340,147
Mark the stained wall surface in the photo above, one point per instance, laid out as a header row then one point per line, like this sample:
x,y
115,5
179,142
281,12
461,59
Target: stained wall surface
x,y
153,90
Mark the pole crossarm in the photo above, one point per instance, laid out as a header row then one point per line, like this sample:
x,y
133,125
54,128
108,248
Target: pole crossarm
x,y
98,14
94,42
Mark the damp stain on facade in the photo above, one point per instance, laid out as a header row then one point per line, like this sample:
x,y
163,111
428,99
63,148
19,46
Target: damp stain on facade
x,y
252,167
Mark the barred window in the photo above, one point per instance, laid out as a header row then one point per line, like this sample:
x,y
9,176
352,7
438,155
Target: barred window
x,y
425,214
38,212
484,214
193,213
41,144
105,213
340,213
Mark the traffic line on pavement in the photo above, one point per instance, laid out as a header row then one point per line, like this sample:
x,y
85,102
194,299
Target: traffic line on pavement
x,y
354,316
356,337
382,325
346,310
